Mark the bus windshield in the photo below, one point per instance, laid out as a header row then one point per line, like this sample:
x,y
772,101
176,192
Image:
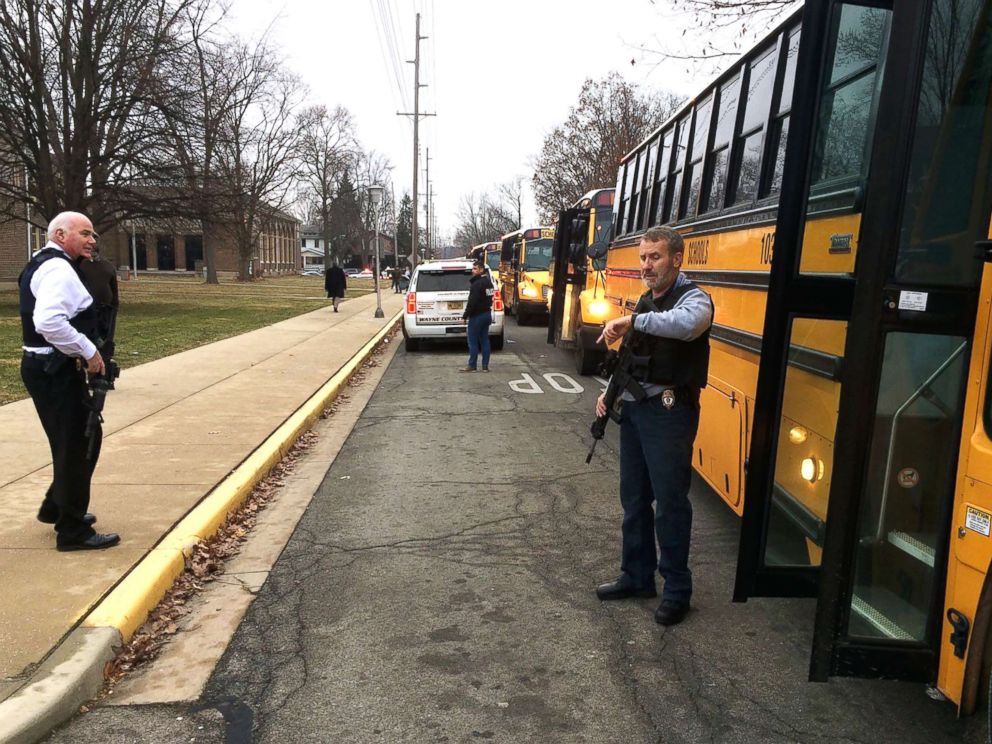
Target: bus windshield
x,y
492,260
537,254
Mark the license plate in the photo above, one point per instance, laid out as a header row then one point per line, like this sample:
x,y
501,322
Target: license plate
x,y
456,305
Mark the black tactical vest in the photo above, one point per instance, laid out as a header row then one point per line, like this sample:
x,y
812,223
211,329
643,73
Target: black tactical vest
x,y
672,361
84,322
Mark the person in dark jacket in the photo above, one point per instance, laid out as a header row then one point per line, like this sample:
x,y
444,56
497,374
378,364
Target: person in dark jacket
x,y
335,282
99,276
478,313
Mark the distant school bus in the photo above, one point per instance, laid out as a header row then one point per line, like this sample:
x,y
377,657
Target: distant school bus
x,y
488,252
523,270
833,191
577,304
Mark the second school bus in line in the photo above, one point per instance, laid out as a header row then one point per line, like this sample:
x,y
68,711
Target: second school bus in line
x,y
523,271
577,304
848,415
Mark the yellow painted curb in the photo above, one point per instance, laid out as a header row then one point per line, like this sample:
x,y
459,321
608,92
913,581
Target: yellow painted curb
x,y
127,605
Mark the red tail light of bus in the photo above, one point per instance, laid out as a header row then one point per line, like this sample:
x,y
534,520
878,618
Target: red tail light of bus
x,y
411,303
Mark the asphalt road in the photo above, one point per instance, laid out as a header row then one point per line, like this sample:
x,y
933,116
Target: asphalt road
x,y
440,589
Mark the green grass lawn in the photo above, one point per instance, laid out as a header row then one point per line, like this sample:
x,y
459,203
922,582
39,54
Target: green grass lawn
x,y
163,315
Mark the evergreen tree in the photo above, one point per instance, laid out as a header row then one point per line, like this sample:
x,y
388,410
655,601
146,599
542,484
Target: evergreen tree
x,y
345,219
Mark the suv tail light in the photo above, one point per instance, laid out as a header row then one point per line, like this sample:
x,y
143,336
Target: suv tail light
x,y
497,302
411,303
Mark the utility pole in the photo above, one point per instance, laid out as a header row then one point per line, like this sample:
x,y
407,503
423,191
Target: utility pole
x,y
427,202
417,116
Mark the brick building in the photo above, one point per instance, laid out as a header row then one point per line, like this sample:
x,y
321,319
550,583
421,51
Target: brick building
x,y
173,246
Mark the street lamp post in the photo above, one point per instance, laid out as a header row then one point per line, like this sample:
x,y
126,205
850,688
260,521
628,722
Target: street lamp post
x,y
375,195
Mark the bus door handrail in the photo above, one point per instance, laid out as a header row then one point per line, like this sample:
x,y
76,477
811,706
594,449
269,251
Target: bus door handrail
x,y
887,483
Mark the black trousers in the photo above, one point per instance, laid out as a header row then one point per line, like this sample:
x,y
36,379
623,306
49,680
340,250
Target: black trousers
x,y
60,399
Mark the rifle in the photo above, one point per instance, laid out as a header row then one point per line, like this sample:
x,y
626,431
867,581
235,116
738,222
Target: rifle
x,y
621,367
98,385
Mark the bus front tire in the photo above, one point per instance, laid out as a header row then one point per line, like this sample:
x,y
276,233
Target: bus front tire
x,y
587,361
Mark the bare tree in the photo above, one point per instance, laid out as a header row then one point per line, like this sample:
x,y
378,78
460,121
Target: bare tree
x,y
372,169
199,90
609,119
327,147
258,147
511,195
76,111
482,218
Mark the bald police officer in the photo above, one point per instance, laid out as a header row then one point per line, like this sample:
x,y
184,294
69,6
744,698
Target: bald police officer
x,y
56,316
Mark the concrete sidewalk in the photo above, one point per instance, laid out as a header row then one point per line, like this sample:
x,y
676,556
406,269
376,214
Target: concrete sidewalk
x,y
175,428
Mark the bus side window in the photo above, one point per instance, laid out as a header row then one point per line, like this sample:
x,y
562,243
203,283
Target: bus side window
x,y
780,124
843,138
694,172
717,162
644,202
621,198
760,85
628,189
635,199
675,179
658,207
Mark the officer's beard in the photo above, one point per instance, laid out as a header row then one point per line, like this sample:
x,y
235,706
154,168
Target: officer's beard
x,y
659,282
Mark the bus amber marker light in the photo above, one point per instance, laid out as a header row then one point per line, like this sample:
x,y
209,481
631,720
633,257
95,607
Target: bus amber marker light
x,y
811,469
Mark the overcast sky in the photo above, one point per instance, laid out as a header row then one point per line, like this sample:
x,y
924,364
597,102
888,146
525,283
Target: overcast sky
x,y
500,75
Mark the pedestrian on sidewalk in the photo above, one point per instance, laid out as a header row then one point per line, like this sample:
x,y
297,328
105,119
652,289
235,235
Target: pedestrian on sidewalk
x,y
670,328
478,313
58,327
335,282
395,274
99,276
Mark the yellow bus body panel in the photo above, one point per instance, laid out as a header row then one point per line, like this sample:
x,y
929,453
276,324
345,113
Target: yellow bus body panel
x,y
727,404
970,553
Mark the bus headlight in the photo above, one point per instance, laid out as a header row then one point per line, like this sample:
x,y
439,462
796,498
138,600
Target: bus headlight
x,y
598,308
798,435
528,291
811,469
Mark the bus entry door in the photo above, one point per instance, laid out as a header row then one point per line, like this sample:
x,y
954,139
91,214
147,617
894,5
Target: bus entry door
x,y
888,165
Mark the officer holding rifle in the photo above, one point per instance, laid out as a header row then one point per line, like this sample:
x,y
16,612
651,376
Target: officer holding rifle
x,y
59,326
661,368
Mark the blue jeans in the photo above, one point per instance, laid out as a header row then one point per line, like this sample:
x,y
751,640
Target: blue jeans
x,y
478,338
656,469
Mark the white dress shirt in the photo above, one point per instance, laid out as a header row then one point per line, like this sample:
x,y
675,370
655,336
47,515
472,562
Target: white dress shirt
x,y
59,297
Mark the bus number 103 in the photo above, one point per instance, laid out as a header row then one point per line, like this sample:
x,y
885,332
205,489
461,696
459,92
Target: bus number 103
x,y
767,248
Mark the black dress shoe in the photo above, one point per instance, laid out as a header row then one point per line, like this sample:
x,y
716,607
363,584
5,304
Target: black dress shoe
x,y
622,589
670,613
93,542
88,518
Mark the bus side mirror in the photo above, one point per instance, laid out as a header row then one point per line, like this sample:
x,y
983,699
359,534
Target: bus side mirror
x,y
597,251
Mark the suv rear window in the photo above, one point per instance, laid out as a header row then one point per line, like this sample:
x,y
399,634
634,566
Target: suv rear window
x,y
443,281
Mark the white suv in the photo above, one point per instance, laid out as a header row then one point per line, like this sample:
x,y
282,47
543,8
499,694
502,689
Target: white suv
x,y
436,300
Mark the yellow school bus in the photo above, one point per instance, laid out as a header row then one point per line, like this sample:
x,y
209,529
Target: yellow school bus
x,y
489,252
577,306
833,190
523,270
